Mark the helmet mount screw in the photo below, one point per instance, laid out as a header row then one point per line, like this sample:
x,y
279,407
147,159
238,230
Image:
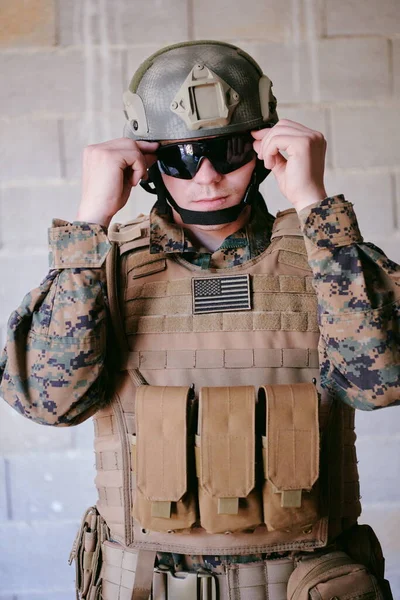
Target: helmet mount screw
x,y
200,67
135,125
174,105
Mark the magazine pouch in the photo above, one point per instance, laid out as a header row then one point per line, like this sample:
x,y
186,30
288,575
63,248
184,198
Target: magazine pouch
x,y
291,456
163,500
86,552
332,576
225,460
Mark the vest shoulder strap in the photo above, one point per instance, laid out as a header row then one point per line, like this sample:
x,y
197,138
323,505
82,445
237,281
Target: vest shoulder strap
x,y
286,223
287,239
131,235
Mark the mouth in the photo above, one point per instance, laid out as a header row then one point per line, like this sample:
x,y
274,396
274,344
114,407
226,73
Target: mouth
x,y
207,203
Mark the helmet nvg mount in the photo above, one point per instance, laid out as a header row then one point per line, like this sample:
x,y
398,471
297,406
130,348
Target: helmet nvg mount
x,y
199,89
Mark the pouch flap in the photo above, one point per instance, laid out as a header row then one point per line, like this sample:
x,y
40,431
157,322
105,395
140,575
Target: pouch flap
x,y
291,458
330,568
161,443
227,442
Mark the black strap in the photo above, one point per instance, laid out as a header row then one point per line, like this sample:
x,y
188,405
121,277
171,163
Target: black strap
x,y
214,217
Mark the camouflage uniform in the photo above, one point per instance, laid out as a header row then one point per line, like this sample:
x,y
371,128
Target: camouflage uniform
x,y
54,367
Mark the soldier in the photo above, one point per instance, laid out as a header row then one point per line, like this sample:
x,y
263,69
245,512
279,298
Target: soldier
x,y
165,329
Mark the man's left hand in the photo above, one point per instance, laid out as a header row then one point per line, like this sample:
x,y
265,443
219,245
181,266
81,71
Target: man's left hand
x,y
300,177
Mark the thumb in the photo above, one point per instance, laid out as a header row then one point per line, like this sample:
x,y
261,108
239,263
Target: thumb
x,y
280,164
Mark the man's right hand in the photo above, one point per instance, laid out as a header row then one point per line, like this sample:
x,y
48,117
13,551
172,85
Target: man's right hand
x,y
110,170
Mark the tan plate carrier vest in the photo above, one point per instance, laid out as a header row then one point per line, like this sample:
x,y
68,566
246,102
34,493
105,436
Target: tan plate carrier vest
x,y
165,344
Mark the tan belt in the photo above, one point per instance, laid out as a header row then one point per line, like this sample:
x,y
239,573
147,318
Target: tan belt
x,y
263,580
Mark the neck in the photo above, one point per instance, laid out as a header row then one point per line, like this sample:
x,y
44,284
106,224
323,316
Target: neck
x,y
212,236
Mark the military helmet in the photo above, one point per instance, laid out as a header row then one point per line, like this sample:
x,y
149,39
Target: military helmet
x,y
198,89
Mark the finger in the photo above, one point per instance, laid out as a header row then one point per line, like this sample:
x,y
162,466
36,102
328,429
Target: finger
x,y
136,161
118,144
289,130
264,134
139,172
259,134
257,146
128,144
283,143
279,164
148,147
295,125
133,177
282,126
275,145
269,158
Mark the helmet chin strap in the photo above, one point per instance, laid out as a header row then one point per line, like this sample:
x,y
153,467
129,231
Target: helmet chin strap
x,y
213,217
216,217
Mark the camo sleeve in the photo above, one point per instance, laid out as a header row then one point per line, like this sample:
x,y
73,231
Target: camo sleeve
x,y
52,369
358,291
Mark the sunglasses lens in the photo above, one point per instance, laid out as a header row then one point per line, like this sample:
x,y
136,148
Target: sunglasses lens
x,y
174,160
226,155
231,153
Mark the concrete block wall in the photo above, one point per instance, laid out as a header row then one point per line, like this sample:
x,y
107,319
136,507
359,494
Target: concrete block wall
x,y
335,65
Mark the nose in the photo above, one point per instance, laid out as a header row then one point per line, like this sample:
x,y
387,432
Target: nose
x,y
206,173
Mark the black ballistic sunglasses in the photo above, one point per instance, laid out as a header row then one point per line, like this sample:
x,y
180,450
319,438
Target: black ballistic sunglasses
x,y
226,154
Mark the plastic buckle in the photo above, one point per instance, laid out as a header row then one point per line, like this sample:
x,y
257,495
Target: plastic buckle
x,y
185,585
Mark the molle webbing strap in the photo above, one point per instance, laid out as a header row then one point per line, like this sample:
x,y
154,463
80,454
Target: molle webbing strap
x,y
291,455
292,358
285,303
251,321
119,566
144,575
289,284
182,305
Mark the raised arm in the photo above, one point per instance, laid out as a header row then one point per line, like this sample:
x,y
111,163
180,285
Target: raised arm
x,y
358,291
358,287
52,369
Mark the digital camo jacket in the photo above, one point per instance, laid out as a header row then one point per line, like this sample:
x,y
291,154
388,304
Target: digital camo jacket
x,y
54,368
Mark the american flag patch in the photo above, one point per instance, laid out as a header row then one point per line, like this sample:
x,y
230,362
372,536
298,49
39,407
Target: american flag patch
x,y
221,294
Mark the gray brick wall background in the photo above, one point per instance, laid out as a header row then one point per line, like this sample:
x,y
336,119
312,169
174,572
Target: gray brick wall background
x,y
335,65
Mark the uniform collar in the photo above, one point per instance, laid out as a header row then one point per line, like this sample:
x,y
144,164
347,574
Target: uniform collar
x,y
249,241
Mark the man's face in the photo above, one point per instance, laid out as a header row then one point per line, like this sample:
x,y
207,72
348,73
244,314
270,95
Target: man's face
x,y
210,190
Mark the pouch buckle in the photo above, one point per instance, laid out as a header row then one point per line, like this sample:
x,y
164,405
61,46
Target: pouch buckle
x,y
185,585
